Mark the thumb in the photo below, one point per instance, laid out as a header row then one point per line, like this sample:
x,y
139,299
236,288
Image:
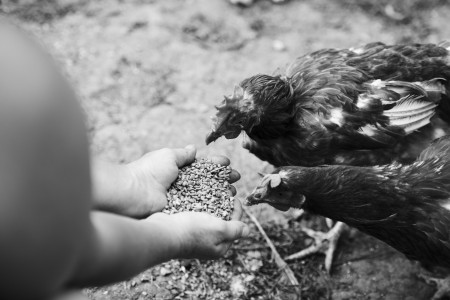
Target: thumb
x,y
236,230
185,156
158,202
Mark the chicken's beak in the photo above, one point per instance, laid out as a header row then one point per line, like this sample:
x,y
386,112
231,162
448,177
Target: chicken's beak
x,y
217,130
252,199
221,128
257,197
212,137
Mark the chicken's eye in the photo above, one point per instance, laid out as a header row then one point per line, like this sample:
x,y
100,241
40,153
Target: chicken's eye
x,y
237,121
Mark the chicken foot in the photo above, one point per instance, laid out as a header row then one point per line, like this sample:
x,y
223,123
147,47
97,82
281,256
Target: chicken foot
x,y
324,242
442,285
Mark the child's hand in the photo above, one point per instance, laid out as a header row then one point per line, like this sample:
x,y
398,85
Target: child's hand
x,y
153,174
203,236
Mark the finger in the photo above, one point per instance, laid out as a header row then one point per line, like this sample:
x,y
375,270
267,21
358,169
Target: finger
x,y
225,161
234,176
232,190
220,160
185,156
236,230
237,210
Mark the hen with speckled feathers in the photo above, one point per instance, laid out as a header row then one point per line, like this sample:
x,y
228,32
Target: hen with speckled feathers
x,y
359,106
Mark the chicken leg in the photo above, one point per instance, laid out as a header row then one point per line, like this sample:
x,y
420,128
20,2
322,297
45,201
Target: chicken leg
x,y
324,242
442,285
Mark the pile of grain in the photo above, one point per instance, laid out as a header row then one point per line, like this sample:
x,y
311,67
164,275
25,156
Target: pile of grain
x,y
202,186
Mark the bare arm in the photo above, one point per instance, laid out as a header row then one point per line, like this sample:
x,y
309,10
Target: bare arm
x,y
121,247
114,190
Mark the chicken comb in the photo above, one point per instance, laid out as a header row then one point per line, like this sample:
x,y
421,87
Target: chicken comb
x,y
231,102
273,180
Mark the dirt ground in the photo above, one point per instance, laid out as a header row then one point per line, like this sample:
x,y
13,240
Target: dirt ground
x,y
149,74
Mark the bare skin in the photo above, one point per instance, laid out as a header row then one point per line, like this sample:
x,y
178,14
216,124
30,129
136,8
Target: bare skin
x,y
52,241
138,189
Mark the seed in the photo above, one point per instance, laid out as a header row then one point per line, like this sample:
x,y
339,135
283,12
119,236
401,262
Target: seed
x,y
201,186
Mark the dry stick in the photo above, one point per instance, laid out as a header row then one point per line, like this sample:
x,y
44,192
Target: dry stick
x,y
282,265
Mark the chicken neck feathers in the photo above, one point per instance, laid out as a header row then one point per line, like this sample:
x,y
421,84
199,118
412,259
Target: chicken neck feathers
x,y
353,106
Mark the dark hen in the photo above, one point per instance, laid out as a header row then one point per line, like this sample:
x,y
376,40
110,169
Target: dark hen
x,y
406,206
362,106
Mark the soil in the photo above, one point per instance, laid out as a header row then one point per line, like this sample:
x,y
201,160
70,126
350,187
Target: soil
x,y
149,73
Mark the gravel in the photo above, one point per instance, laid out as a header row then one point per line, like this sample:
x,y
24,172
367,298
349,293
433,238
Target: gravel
x,y
203,187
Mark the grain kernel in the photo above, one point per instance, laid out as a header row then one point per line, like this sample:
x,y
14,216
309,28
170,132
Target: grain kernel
x,y
201,186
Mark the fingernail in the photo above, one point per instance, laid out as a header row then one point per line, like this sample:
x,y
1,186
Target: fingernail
x,y
245,232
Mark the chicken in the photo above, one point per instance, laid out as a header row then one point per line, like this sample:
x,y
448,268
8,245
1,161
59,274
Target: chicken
x,y
362,106
405,206
353,107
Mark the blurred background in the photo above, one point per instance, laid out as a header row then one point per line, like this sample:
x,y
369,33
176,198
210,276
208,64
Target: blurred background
x,y
148,74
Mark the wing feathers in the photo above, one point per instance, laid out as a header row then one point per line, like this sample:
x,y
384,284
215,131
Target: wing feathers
x,y
418,104
413,126
409,106
411,113
406,106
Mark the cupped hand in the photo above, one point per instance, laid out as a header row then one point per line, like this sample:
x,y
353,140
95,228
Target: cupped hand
x,y
203,236
153,174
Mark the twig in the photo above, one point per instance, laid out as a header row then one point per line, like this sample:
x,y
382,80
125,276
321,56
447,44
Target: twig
x,y
281,264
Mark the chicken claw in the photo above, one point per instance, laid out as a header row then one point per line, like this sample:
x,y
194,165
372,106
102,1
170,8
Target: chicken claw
x,y
442,285
324,242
